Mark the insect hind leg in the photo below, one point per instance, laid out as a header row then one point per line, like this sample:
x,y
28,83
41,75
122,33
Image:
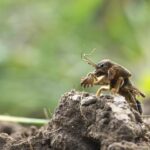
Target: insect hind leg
x,y
139,106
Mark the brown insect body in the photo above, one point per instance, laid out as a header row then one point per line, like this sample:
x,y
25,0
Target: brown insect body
x,y
117,77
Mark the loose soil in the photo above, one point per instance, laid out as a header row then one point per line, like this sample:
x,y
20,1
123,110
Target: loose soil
x,y
82,122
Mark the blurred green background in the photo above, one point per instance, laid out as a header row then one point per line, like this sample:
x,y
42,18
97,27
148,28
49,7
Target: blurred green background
x,y
41,43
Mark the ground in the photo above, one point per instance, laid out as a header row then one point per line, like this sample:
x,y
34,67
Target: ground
x,y
83,121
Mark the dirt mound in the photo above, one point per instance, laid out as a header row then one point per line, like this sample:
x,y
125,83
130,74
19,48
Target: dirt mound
x,y
85,122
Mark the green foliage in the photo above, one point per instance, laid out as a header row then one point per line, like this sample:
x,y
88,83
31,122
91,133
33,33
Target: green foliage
x,y
41,44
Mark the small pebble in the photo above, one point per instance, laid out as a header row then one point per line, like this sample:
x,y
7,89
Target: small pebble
x,y
88,100
76,98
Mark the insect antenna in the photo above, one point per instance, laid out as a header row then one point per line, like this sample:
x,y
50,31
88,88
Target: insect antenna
x,y
86,59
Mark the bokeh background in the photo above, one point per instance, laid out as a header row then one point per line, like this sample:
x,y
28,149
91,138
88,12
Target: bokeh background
x,y
41,43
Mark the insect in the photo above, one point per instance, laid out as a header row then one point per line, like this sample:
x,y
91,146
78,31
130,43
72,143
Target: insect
x,y
114,77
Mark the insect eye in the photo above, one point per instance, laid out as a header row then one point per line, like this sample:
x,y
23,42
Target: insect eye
x,y
102,65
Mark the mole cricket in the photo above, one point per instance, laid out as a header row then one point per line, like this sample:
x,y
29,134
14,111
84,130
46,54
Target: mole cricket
x,y
113,77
